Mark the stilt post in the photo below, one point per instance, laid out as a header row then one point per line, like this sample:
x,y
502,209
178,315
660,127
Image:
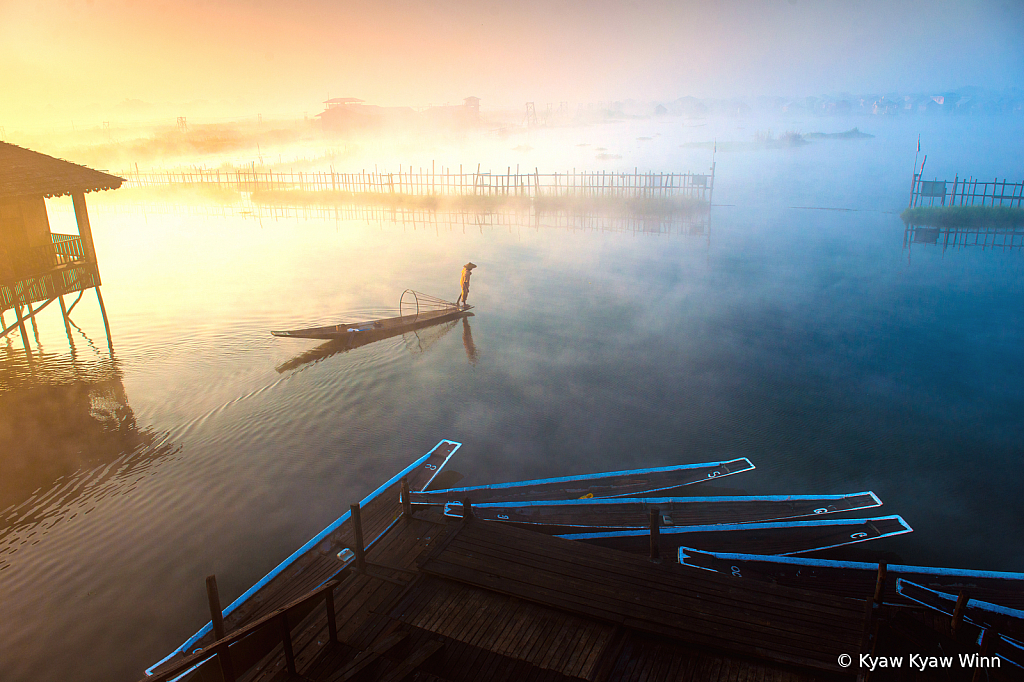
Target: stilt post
x,y
103,311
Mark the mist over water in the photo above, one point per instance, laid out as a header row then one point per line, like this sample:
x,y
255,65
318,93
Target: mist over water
x,y
793,326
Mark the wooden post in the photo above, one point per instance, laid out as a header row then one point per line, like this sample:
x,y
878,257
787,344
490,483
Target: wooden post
x,y
85,230
216,615
227,668
286,642
987,638
958,612
655,535
406,503
357,531
21,328
467,510
103,312
64,314
332,618
880,583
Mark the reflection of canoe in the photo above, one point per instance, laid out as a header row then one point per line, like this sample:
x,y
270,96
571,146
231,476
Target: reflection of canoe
x,y
353,341
594,515
661,481
780,537
375,330
857,579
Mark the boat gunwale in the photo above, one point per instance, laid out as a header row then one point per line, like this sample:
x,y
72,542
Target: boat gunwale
x,y
672,530
668,500
681,530
653,502
600,475
852,565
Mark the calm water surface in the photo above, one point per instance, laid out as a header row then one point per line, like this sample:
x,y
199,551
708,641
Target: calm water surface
x,y
814,342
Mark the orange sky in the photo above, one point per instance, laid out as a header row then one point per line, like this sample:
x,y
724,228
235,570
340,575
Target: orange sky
x,y
64,59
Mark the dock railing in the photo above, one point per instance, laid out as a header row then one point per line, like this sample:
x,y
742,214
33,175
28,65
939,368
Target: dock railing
x,y
220,649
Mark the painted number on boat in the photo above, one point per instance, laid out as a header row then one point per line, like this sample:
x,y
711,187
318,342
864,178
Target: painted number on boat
x,y
432,467
503,517
821,510
857,536
736,571
714,473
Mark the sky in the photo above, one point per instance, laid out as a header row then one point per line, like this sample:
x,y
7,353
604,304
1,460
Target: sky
x,y
111,58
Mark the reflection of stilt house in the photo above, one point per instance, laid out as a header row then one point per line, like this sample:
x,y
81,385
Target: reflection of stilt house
x,y
38,267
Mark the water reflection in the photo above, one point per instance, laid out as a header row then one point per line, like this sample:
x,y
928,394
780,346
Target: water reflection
x,y
467,342
66,427
986,237
691,223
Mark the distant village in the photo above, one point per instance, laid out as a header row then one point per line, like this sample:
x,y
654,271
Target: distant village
x,y
347,114
966,101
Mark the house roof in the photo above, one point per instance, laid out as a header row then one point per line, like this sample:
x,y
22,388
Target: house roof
x,y
25,173
343,100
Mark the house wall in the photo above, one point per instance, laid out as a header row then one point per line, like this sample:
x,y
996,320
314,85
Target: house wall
x,y
23,225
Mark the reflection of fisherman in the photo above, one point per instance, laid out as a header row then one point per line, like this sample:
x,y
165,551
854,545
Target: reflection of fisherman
x,y
467,272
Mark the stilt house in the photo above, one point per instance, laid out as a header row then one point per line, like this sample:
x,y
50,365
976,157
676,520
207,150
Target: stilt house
x,y
37,266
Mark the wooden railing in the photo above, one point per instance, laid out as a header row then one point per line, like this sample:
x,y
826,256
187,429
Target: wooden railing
x,y
448,182
279,618
966,192
36,260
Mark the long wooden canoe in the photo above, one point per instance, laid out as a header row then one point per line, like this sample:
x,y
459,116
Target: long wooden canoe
x,y
857,579
611,514
1005,622
376,330
323,556
776,537
659,481
983,614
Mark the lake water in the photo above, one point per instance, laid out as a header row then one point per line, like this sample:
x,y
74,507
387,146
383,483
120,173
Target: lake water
x,y
815,342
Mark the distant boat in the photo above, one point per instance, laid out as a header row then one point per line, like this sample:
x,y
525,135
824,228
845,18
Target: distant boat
x,y
777,537
857,579
421,310
660,481
616,513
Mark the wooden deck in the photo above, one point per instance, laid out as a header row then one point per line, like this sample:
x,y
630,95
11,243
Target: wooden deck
x,y
449,600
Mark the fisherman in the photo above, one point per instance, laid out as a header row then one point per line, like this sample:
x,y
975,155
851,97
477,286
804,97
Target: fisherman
x,y
467,272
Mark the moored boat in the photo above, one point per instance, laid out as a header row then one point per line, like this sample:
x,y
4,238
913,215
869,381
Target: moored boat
x,y
983,614
777,537
416,310
612,514
857,579
657,481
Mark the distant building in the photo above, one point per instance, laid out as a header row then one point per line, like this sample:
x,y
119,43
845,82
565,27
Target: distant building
x,y
472,106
